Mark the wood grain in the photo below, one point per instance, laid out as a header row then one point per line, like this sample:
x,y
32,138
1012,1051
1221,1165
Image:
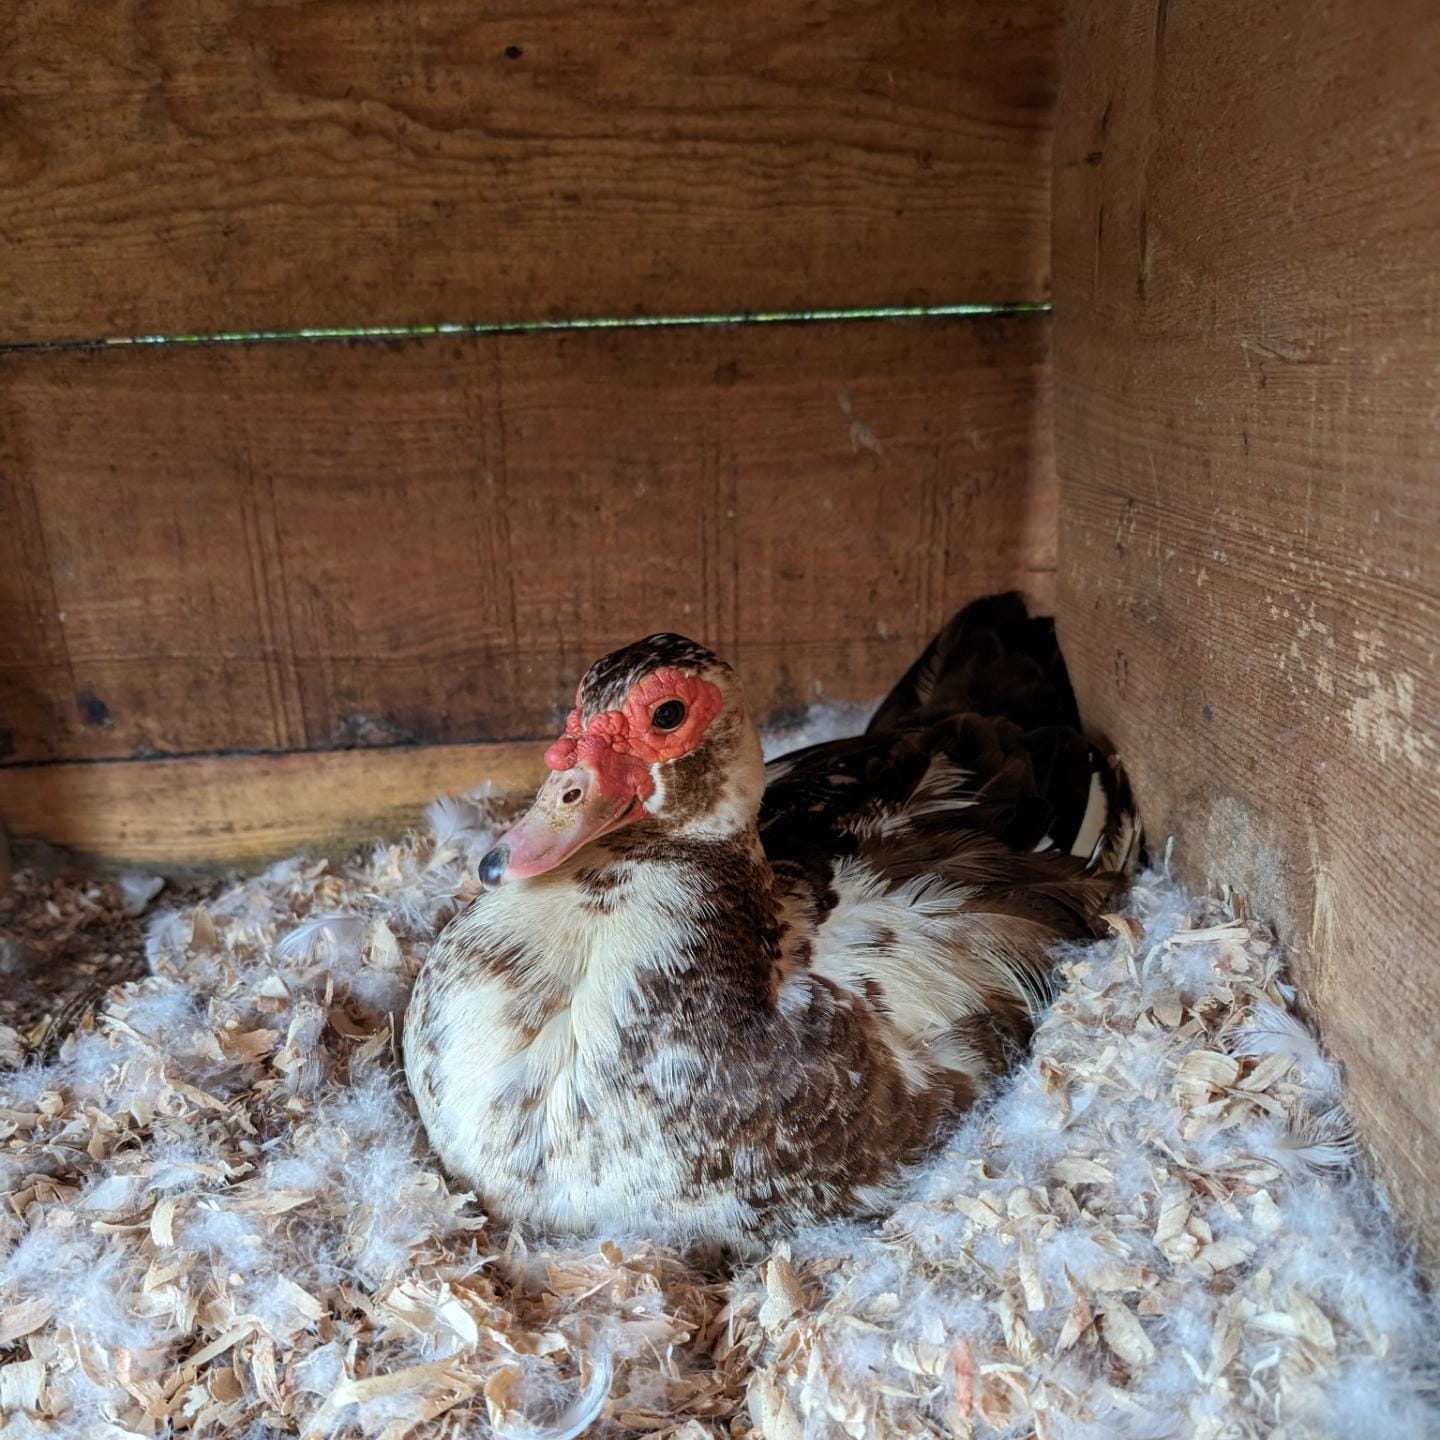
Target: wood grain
x,y
202,165
1247,345
282,547
223,810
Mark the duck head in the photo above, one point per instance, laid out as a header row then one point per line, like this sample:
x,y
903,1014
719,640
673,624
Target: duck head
x,y
659,736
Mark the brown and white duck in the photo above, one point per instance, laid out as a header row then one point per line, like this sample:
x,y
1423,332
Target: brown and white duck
x,y
708,999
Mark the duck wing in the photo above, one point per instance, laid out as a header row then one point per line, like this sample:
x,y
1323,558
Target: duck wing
x,y
974,770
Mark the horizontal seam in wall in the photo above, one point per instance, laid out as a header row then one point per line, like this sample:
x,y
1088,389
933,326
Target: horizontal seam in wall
x,y
320,334
405,746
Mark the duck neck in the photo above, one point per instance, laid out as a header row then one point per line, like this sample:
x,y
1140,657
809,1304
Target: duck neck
x,y
717,859
713,895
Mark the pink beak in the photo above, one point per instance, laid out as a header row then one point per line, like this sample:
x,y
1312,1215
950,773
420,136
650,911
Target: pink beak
x,y
570,810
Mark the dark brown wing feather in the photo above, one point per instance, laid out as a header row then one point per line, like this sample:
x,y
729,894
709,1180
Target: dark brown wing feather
x,y
969,793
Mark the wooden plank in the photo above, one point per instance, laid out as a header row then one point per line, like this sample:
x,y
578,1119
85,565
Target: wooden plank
x,y
1247,204
222,810
289,547
203,165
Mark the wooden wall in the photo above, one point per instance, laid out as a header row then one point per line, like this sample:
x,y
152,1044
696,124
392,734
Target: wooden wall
x,y
1247,273
217,560
223,164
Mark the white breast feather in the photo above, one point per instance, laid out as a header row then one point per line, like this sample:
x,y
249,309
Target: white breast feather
x,y
573,1063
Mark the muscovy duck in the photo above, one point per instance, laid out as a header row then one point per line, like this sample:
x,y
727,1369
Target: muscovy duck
x,y
710,1000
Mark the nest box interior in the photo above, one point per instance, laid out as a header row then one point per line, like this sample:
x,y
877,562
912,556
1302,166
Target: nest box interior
x,y
362,381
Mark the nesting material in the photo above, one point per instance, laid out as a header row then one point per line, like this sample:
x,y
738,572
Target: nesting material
x,y
220,1219
65,938
1157,1230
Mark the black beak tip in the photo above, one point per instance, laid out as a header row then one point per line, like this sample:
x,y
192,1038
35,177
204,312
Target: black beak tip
x,y
492,865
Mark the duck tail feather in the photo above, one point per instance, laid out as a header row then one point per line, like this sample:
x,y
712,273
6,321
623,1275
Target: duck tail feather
x,y
993,658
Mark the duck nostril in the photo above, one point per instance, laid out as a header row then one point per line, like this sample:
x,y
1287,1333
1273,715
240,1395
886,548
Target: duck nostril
x,y
570,797
492,865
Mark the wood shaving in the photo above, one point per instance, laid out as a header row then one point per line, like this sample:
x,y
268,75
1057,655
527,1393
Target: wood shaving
x,y
1156,1230
220,1218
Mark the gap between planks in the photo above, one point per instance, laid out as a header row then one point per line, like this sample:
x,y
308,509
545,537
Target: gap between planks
x,y
328,333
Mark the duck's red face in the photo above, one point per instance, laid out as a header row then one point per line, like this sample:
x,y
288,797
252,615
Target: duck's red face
x,y
603,770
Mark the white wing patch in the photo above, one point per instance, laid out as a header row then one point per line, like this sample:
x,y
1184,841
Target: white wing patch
x,y
943,786
944,789
1092,827
909,940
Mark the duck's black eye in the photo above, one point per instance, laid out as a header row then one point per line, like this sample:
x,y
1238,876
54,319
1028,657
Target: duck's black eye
x,y
668,716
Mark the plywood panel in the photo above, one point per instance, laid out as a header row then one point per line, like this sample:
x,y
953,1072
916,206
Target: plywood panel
x,y
202,165
223,810
283,547
1248,434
